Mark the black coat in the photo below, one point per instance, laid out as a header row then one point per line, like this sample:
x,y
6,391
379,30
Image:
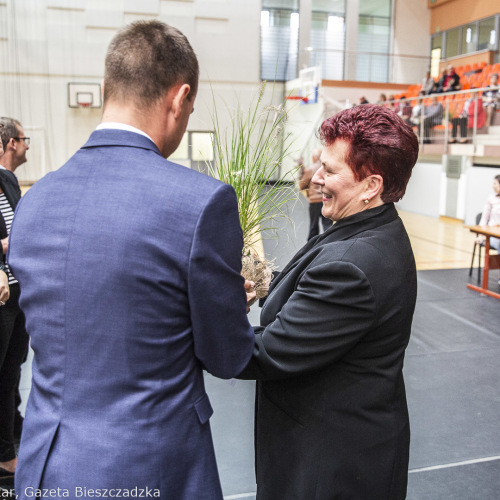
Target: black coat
x,y
331,416
10,186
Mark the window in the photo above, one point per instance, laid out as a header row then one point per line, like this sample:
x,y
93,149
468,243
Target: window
x,y
279,45
328,38
452,40
182,151
374,40
195,151
472,37
487,38
436,51
469,38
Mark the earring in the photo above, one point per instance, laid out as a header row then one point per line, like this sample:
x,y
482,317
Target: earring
x,y
366,201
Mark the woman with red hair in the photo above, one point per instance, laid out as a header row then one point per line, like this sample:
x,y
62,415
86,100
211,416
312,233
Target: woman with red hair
x,y
331,413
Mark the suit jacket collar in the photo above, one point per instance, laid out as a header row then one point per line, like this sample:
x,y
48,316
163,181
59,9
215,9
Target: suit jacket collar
x,y
343,230
116,137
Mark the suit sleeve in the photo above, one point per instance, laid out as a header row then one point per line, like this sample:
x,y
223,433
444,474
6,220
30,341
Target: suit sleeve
x,y
223,337
330,311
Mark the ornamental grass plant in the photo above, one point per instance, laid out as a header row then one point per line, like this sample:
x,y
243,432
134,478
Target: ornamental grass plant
x,y
248,156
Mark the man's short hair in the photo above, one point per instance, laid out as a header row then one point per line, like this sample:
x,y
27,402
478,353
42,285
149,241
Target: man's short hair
x,y
9,129
145,59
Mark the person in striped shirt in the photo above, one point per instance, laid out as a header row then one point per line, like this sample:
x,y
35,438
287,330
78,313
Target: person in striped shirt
x,y
13,335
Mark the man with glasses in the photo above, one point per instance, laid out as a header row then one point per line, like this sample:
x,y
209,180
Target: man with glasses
x,y
13,335
15,144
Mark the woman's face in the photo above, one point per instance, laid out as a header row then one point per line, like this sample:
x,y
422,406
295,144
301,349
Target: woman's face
x,y
343,195
496,186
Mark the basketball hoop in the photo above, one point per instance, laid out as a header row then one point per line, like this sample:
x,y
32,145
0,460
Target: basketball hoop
x,y
84,95
297,98
310,80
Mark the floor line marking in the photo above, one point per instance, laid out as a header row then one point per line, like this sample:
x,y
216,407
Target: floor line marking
x,y
241,495
454,464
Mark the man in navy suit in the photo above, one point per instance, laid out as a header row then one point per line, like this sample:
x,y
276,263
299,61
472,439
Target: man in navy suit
x,y
129,267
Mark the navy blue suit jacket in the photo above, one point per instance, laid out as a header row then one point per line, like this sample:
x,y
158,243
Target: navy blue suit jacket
x,y
129,267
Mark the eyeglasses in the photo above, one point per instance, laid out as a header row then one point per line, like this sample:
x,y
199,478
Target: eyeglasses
x,y
25,139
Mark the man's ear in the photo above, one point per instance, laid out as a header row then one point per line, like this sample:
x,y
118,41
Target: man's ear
x,y
180,95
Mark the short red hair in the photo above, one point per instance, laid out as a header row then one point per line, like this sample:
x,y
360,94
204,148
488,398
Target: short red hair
x,y
380,142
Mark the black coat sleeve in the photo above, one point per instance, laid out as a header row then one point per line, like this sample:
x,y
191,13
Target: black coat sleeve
x,y
329,312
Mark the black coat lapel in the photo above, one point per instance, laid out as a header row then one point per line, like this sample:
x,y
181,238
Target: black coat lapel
x,y
342,230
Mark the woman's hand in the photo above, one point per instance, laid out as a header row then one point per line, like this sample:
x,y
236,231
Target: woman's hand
x,y
251,294
4,288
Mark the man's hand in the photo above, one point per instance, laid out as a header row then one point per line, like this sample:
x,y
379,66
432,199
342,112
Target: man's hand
x,y
4,288
5,245
251,294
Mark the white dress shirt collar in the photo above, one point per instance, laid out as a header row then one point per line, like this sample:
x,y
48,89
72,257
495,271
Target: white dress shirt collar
x,y
122,126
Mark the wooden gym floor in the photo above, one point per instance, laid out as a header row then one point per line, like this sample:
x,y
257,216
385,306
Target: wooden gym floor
x,y
438,243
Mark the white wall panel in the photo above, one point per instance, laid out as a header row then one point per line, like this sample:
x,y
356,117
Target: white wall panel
x,y
423,192
66,4
131,18
177,9
110,5
103,19
4,33
147,7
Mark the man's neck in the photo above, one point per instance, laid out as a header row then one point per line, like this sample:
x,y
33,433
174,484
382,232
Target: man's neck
x,y
151,121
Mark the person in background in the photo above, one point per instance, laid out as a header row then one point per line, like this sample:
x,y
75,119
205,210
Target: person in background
x,y
130,270
363,100
428,84
331,413
491,215
382,100
441,82
405,109
417,113
433,115
491,98
452,80
392,104
14,338
314,196
465,118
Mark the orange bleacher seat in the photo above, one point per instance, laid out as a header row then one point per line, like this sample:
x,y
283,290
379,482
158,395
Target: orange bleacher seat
x,y
466,68
482,65
475,66
475,79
